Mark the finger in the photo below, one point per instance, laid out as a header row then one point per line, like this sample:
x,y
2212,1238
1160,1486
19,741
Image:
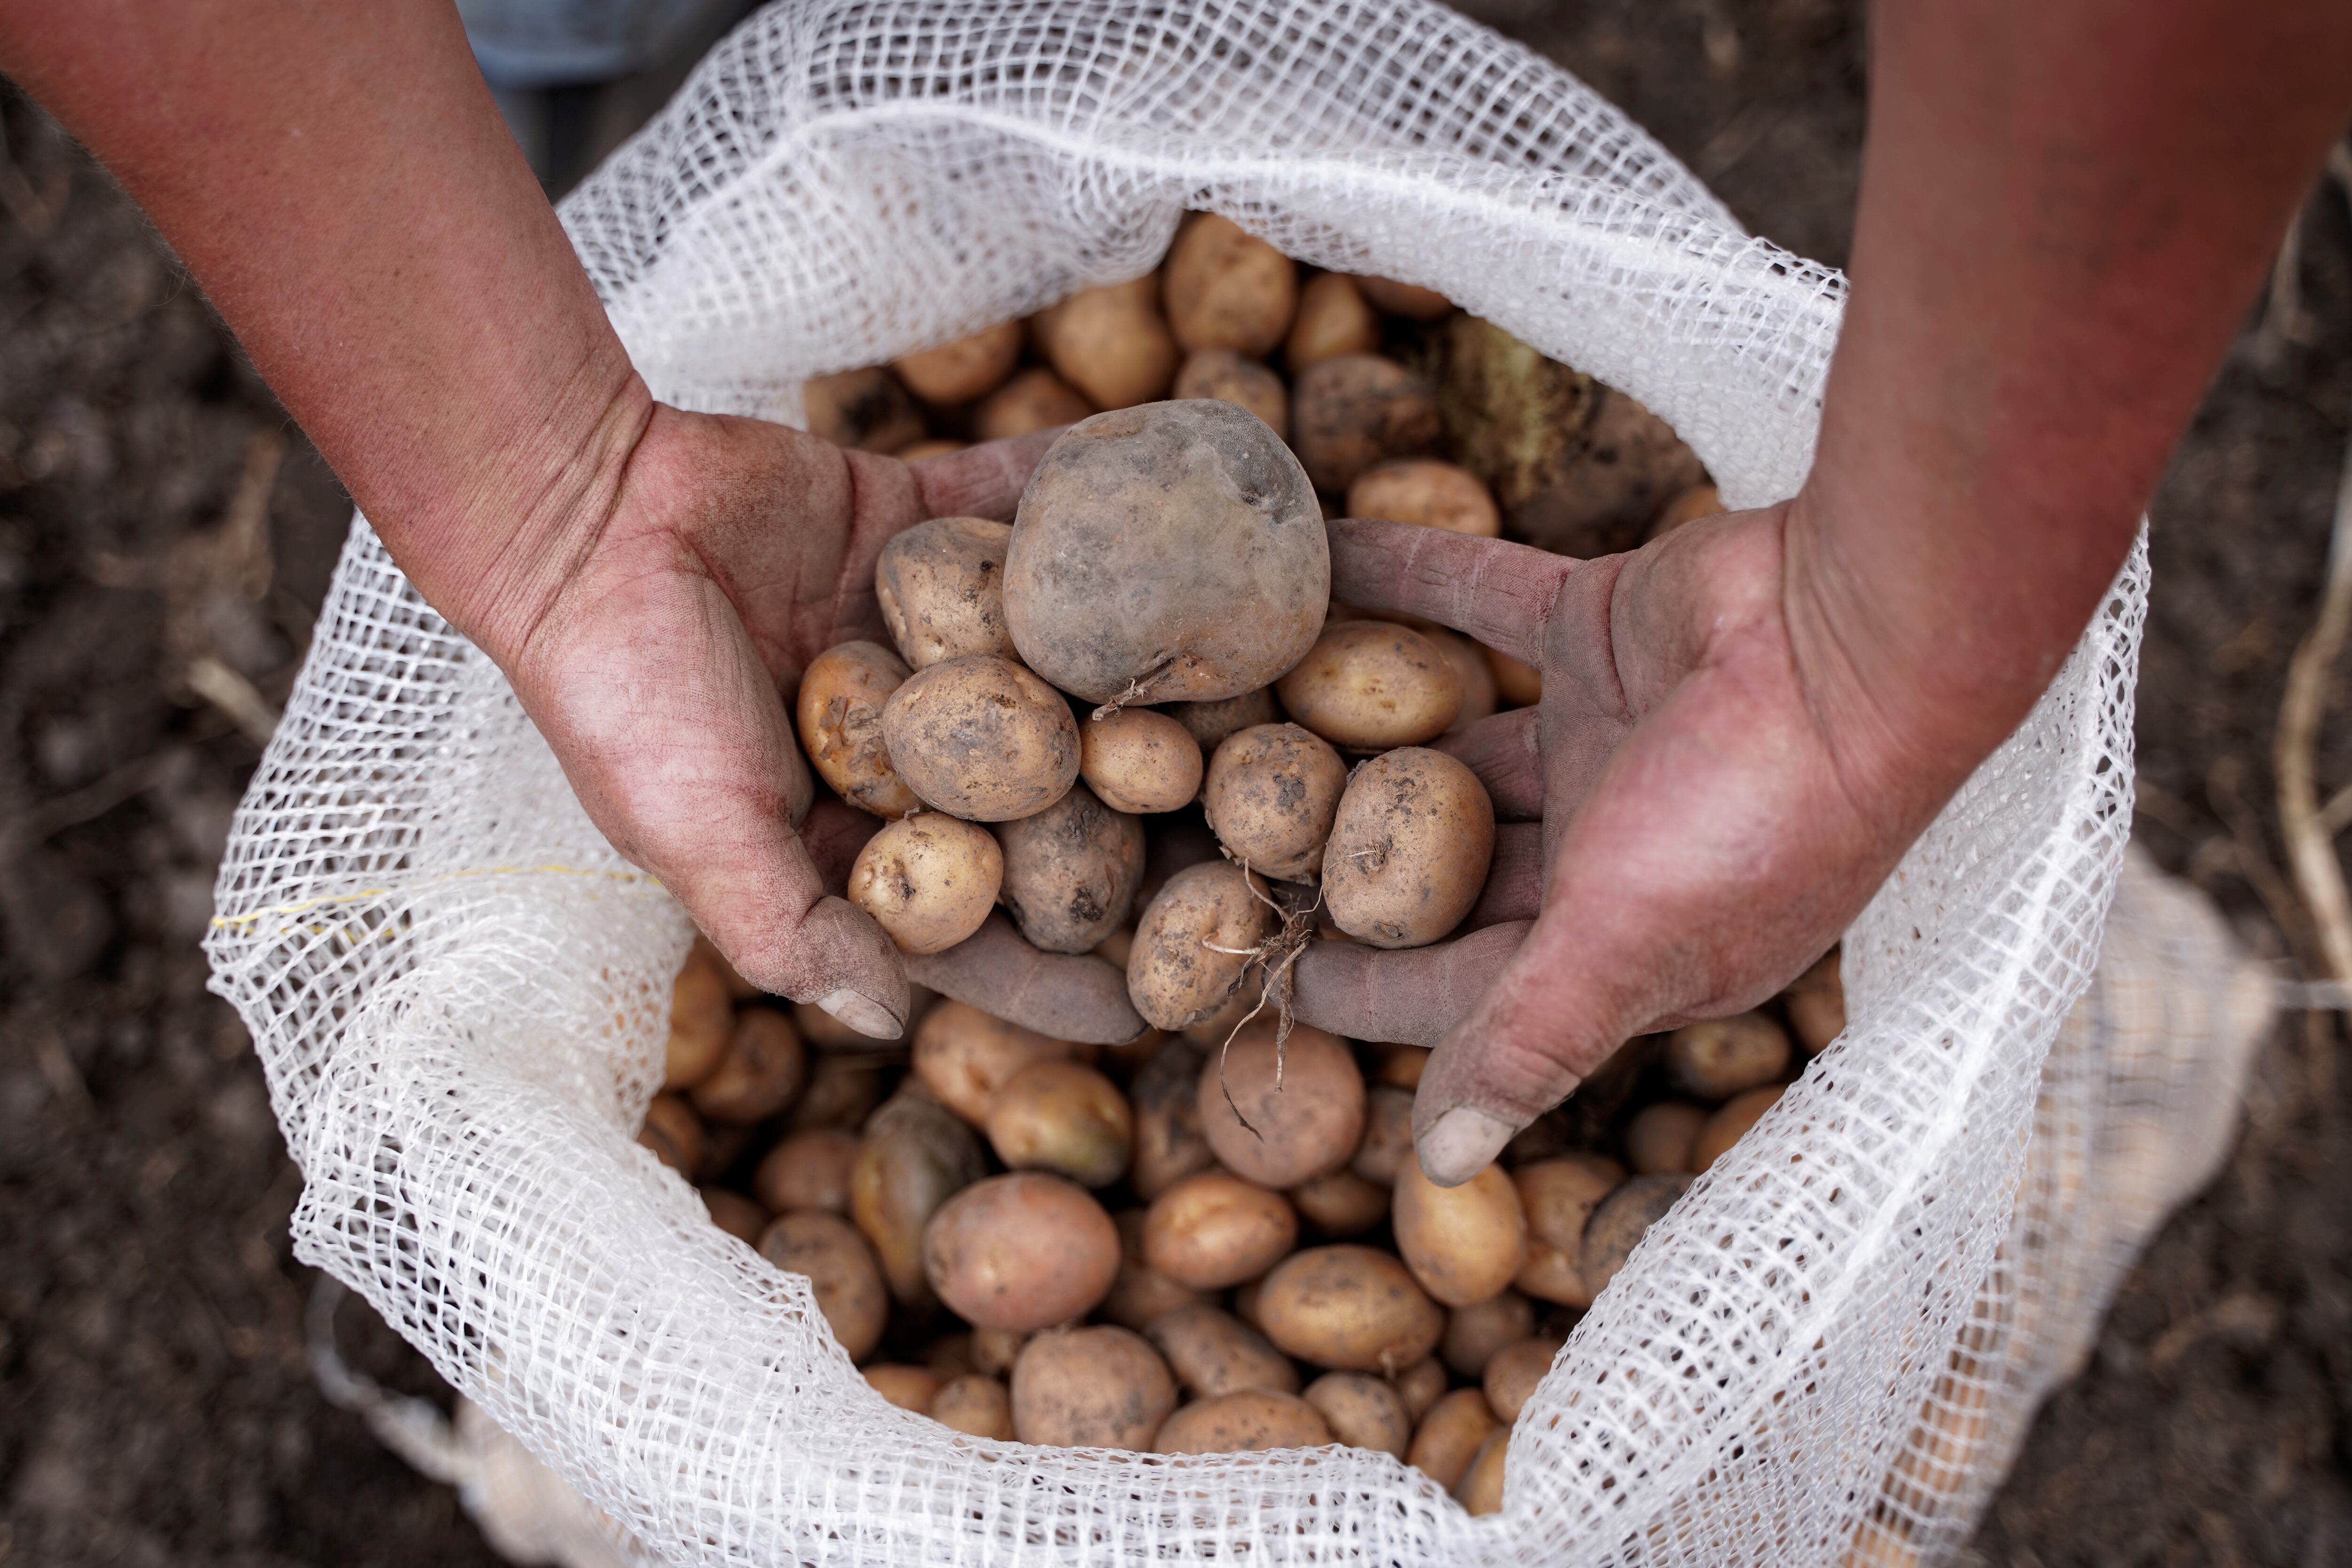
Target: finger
x,y
1408,998
1070,996
1513,889
983,481
1498,592
1502,751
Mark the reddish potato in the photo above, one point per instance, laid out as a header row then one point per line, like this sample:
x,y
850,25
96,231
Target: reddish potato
x,y
1271,794
1021,1251
1348,1308
1140,761
982,738
1410,849
1071,872
941,587
841,1272
1280,1135
808,1170
1233,377
1111,342
1140,1293
1226,289
965,368
1333,320
1168,1142
937,446
1401,1066
761,1072
1035,399
974,1404
1248,1422
839,716
929,881
1370,686
1425,491
1214,1229
916,1157
964,1056
1096,1387
1064,1117
1193,943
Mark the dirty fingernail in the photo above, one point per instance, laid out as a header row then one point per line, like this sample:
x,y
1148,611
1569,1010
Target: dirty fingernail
x,y
1463,1142
860,1012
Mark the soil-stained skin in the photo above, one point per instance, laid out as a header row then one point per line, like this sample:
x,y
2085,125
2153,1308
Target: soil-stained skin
x,y
1410,849
1193,944
1071,872
1271,794
982,738
940,585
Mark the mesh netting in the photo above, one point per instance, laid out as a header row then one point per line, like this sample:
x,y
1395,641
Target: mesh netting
x,y
459,991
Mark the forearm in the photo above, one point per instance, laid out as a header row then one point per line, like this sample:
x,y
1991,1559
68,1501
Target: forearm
x,y
338,180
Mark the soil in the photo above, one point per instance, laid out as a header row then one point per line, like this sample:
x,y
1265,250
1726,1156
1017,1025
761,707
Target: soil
x,y
155,1402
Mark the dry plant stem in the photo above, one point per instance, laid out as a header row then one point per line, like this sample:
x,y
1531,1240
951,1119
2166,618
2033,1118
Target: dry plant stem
x,y
1274,956
2311,853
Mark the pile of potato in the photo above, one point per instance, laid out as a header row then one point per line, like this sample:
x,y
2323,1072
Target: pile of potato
x,y
1135,721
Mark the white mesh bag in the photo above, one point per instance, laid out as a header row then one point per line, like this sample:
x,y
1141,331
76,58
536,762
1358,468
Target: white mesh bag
x,y
459,989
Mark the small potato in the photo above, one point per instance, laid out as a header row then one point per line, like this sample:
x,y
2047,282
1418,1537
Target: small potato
x,y
1448,1436
1480,1490
1348,1308
764,1069
1111,342
1210,723
841,1272
975,1405
1279,1135
1165,1092
838,714
1410,849
1659,1137
1064,1117
1465,1243
1513,1372
930,880
1249,1422
1340,1205
675,1134
1419,1385
1099,1387
1362,1411
1212,1032
1213,1353
1333,320
1369,685
1520,686
808,1170
1559,1194
937,446
821,1030
964,1056
1214,1229
1717,1058
842,1091
916,1157
1698,501
1071,872
1386,1141
1816,1004
1141,1293
1245,1303
907,1388
1426,491
982,738
1271,794
1193,942
1730,1124
1601,490
993,1351
1352,411
1409,300
1479,697
1035,399
1113,950
1022,1252
1622,1218
1233,377
1474,1333
1402,1066
735,1214
1226,289
701,1021
1140,761
867,408
942,588
965,368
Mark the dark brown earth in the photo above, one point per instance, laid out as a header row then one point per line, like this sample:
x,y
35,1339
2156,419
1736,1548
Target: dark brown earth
x,y
154,1403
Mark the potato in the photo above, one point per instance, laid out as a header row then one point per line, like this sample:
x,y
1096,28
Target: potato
x,y
1212,1032
1729,1124
1424,490
1387,1141
821,1030
1419,1385
964,1056
949,1355
808,1170
1248,1422
1352,411
1520,686
1210,723
1348,1308
975,1405
701,1021
761,1072
867,408
675,1134
1468,661
838,714
1035,399
1621,1219
1064,1117
982,738
1168,553
1448,1436
1233,377
1192,943
1099,1387
1111,342
842,1274
1140,1293
1816,1004
1513,417
1071,872
1023,1251
1362,1411
941,587
965,368
1466,1243
733,1213
1474,1333
1480,1490
1226,289
1342,1204
1513,1371
1402,1066
1245,1303
842,1091
1717,1058
1140,761
1409,300
1698,501
1174,844
1213,1353
1214,1229
915,1158
1598,493
907,1388
1559,1194
1659,1137
1168,1143
1370,686
937,446
1114,949
930,880
993,1351
1333,320
1271,794
1410,849
1305,1126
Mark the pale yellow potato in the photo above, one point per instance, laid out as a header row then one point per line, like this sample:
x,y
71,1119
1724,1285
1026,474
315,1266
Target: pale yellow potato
x,y
1140,1293
734,1213
907,1388
915,1155
1816,1004
1362,1411
838,713
941,587
1333,318
1518,685
1192,944
1659,1137
1213,1229
1210,723
1410,849
808,1170
1479,697
701,1021
982,738
1280,1136
1513,1372
976,1405
1064,1117
842,1274
929,880
1474,1333
1465,1243
1370,686
1213,1353
1035,399
965,368
1270,797
1449,1436
1559,1194
1349,1309
1622,1218
1429,492
1225,288
1248,1422
1110,343
1238,380
1419,1385
676,1136
1071,872
1140,761
1480,1490
964,1056
760,1074
1730,1124
1340,1203
1387,1140
1715,1059
1022,1252
1409,300
1098,1387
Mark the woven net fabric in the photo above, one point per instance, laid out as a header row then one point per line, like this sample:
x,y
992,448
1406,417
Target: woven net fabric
x,y
459,989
